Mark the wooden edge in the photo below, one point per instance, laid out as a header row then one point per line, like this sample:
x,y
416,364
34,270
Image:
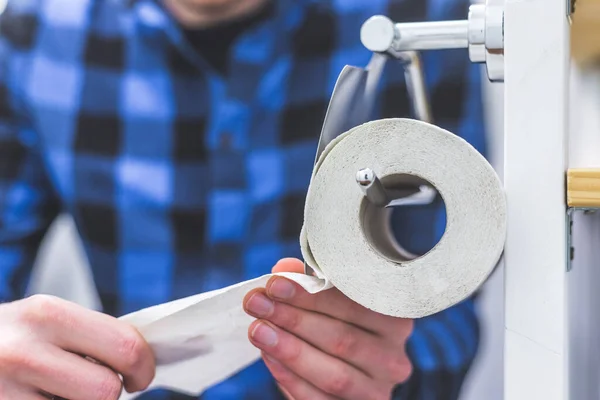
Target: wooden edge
x,y
585,32
583,187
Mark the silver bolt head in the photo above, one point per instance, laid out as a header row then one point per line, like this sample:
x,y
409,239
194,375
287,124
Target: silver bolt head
x,y
365,177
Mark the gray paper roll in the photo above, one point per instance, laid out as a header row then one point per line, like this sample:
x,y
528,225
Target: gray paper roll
x,y
361,262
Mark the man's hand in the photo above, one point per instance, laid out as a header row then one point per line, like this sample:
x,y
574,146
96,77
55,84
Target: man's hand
x,y
42,343
325,346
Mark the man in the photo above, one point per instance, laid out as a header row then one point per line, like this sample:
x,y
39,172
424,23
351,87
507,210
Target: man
x,y
180,135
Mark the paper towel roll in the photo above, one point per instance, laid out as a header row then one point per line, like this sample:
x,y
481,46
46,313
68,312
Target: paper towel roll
x,y
202,340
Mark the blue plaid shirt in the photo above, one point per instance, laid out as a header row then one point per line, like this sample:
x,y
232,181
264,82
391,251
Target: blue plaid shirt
x,y
182,180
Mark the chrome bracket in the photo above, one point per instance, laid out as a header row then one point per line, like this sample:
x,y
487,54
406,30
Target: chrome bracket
x,y
571,7
569,231
482,33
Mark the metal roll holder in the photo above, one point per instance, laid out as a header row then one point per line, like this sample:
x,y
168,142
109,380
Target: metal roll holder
x,y
482,33
353,97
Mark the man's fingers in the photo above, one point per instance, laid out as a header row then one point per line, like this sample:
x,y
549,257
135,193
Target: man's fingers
x,y
335,304
288,265
53,370
99,336
323,371
292,386
12,390
339,339
125,351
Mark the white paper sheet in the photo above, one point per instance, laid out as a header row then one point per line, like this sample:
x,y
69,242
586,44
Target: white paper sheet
x,y
202,340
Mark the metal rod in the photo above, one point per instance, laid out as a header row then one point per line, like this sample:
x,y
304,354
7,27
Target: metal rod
x,y
381,34
432,35
415,84
372,187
